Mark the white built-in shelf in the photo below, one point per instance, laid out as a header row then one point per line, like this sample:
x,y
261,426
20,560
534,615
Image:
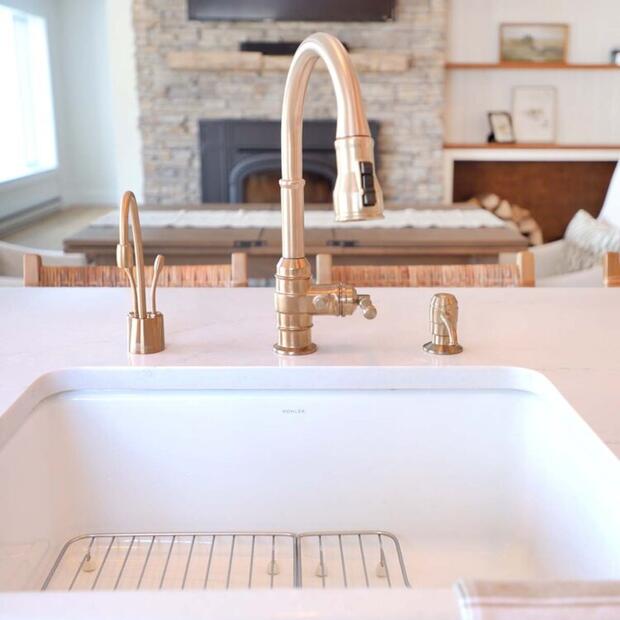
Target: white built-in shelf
x,y
535,145
454,152
532,66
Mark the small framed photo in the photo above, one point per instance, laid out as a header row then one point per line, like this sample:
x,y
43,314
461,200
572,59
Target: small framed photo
x,y
534,113
501,127
615,57
533,43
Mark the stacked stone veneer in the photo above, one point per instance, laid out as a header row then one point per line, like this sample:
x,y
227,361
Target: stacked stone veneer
x,y
408,104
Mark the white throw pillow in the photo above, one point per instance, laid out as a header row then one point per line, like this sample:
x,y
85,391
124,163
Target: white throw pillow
x,y
587,239
610,212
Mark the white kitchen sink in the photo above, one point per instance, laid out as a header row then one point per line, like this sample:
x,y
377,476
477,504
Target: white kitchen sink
x,y
478,473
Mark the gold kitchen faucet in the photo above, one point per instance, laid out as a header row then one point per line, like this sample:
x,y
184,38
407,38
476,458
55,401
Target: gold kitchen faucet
x,y
357,194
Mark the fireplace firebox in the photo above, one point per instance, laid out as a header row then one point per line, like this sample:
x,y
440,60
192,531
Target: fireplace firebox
x,y
240,160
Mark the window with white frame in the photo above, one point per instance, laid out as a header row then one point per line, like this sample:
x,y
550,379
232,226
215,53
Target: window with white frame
x,y
27,132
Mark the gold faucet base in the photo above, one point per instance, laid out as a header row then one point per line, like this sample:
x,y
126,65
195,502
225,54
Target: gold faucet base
x,y
442,349
307,350
293,307
146,335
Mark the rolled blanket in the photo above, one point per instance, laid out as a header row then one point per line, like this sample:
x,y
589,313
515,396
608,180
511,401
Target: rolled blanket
x,y
566,600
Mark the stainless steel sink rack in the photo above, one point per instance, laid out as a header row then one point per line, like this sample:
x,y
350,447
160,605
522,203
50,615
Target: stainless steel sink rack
x,y
229,560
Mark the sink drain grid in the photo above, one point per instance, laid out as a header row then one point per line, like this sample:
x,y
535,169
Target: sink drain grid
x,y
229,560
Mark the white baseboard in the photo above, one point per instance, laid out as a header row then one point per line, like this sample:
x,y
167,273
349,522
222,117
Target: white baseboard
x,y
23,218
88,205
76,196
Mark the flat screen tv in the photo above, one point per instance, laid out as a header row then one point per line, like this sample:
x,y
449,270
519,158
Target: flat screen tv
x,y
293,10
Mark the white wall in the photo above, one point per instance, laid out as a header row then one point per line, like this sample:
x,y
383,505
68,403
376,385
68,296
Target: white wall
x,y
102,138
87,138
588,101
124,95
96,105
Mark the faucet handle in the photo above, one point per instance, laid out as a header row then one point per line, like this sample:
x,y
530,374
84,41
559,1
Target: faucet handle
x,y
340,300
322,302
369,311
158,265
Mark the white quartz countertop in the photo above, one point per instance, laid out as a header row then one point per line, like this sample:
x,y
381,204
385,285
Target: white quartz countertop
x,y
572,336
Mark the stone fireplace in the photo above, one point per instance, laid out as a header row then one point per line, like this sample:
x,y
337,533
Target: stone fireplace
x,y
193,74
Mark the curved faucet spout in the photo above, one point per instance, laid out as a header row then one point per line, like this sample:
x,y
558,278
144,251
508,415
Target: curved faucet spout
x,y
351,120
127,257
357,193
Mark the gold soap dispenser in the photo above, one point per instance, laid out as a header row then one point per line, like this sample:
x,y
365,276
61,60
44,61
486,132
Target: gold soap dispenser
x,y
443,316
146,329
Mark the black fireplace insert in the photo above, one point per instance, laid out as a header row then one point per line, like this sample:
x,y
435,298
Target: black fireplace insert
x,y
240,160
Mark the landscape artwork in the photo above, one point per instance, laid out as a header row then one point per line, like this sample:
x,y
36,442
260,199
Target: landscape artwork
x,y
536,43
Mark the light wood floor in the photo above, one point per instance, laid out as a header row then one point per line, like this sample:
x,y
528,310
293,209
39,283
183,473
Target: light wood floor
x,y
49,232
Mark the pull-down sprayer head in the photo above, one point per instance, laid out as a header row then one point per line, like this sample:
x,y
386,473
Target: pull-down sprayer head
x,y
357,193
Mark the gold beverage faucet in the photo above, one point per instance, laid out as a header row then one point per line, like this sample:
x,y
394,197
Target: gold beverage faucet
x,y
357,194
146,328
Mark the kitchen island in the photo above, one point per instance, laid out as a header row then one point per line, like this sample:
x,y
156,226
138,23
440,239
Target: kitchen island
x,y
475,461
569,335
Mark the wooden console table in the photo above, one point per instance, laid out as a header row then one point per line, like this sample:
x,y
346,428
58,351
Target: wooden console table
x,y
263,245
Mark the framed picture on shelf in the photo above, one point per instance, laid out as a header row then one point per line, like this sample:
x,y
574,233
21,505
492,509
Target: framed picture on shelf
x,y
533,43
501,127
534,113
